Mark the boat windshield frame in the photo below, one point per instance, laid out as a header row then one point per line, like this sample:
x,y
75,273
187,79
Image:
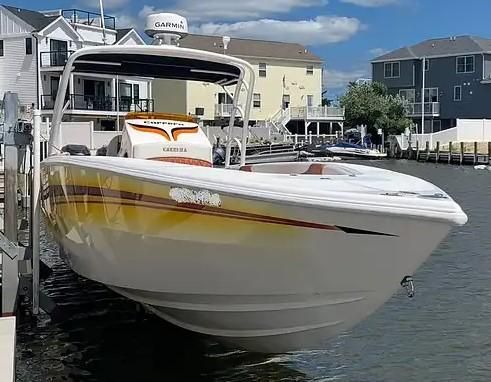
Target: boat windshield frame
x,y
163,62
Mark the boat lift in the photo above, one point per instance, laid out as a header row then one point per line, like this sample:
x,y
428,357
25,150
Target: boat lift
x,y
20,264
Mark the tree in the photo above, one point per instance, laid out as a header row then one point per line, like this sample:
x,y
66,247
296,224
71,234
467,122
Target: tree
x,y
372,105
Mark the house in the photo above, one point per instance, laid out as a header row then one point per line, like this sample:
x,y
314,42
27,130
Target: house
x,y
457,77
288,86
34,47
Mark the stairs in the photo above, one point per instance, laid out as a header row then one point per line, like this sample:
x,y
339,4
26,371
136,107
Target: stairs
x,y
279,121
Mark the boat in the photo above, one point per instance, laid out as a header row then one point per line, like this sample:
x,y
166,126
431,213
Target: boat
x,y
352,150
268,257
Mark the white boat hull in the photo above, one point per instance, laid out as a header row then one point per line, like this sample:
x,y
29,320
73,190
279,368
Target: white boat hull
x,y
263,275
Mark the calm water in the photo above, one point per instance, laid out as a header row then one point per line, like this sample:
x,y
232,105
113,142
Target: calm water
x,y
444,334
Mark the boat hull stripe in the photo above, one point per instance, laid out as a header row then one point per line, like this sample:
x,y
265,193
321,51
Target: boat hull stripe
x,y
69,193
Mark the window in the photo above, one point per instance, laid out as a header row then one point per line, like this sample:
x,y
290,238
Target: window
x,y
431,95
199,111
285,103
224,99
257,100
310,70
427,64
457,93
1,48
262,69
408,94
391,70
310,100
136,93
29,45
465,64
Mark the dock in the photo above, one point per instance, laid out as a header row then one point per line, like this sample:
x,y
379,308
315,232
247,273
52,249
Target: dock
x,y
7,349
460,153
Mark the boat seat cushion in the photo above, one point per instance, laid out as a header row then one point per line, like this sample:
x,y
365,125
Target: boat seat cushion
x,y
294,168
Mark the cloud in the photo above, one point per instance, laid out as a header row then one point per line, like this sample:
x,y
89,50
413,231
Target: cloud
x,y
375,52
202,11
108,4
336,80
371,3
319,31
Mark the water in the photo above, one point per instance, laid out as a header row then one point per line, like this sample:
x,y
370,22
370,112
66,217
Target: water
x,y
444,334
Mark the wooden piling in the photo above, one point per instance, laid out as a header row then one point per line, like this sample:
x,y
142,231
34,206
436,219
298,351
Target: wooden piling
x,y
437,159
489,152
462,151
427,151
475,153
417,150
449,152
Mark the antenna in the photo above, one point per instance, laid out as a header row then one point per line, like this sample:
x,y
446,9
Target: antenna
x,y
166,28
103,22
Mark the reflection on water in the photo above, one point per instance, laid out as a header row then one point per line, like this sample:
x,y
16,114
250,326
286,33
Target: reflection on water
x,y
443,334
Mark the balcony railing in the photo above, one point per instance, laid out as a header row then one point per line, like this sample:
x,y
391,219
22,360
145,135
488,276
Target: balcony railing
x,y
76,16
430,109
55,58
93,103
224,110
317,112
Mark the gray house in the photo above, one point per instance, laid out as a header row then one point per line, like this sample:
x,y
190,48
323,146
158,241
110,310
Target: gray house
x,y
457,75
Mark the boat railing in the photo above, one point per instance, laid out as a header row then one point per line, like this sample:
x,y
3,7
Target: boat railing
x,y
302,139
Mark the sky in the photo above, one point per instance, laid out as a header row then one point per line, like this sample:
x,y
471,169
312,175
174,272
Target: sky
x,y
346,34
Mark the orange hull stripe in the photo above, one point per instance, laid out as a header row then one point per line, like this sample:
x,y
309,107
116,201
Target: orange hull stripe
x,y
179,131
153,130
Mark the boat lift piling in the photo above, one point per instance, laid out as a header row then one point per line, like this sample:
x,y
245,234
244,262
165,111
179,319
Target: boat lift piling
x,y
20,264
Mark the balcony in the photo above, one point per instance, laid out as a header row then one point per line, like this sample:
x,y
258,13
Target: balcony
x,y
55,58
317,113
76,16
91,103
431,109
224,110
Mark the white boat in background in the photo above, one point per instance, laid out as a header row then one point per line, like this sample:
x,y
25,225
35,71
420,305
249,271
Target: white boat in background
x,y
272,257
350,150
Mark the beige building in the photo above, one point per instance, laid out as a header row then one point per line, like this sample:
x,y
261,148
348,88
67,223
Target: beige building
x,y
288,85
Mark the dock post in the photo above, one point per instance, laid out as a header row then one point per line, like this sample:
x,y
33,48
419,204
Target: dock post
x,y
489,152
427,151
449,152
35,194
462,150
10,261
437,159
475,153
417,150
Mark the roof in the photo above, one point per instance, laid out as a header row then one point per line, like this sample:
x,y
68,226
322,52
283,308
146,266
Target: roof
x,y
448,46
122,32
35,19
250,48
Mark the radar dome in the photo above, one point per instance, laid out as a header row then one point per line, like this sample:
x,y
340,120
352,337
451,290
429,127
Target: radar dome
x,y
169,27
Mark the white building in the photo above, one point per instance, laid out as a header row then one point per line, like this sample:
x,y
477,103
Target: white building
x,y
34,47
288,90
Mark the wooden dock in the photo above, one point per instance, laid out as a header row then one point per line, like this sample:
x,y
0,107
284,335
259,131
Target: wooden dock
x,y
7,349
456,153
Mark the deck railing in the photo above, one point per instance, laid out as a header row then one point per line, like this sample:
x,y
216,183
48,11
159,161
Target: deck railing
x,y
430,108
55,58
317,112
93,103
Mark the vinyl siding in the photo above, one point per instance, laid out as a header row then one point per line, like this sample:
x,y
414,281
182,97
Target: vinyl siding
x,y
12,25
18,71
297,84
